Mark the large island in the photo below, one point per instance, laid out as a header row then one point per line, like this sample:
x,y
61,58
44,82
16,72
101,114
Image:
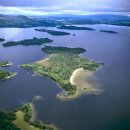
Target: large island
x,y
61,65
27,42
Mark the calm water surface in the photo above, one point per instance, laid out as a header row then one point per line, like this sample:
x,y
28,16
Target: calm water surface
x,y
107,111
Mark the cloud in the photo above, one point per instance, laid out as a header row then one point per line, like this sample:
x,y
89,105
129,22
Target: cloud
x,y
41,7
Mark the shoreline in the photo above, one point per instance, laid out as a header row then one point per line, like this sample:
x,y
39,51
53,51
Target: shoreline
x,y
89,89
74,75
86,88
75,72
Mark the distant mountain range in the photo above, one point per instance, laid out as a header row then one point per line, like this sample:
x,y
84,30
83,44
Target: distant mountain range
x,y
21,21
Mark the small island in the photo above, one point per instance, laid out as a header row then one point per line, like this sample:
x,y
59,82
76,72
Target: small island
x,y
4,63
37,98
70,27
22,119
27,42
6,75
108,31
61,65
2,39
52,32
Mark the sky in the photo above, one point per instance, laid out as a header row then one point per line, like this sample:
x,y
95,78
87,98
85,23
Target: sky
x,y
44,7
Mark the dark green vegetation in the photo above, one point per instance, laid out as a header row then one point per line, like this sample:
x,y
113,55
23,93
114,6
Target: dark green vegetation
x,y
60,66
74,27
107,31
50,50
4,63
52,32
6,120
5,74
26,42
2,39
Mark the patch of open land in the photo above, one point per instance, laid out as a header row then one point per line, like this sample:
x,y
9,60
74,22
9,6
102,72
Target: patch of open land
x,y
60,67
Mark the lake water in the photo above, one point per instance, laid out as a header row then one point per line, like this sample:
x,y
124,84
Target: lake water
x,y
108,111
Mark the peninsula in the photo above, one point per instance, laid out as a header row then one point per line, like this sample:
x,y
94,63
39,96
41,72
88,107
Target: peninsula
x,y
52,32
22,119
27,42
60,66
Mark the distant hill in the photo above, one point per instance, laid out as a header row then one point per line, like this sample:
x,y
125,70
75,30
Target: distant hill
x,y
56,20
21,21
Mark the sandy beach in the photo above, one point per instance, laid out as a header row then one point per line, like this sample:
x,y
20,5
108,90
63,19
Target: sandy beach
x,y
80,78
74,74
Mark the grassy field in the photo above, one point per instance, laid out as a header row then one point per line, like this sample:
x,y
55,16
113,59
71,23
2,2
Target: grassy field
x,y
20,123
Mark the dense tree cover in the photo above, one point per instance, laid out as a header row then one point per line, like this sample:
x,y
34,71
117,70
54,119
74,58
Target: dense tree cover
x,y
70,27
6,120
52,32
5,74
27,109
26,42
4,63
60,67
108,31
50,50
